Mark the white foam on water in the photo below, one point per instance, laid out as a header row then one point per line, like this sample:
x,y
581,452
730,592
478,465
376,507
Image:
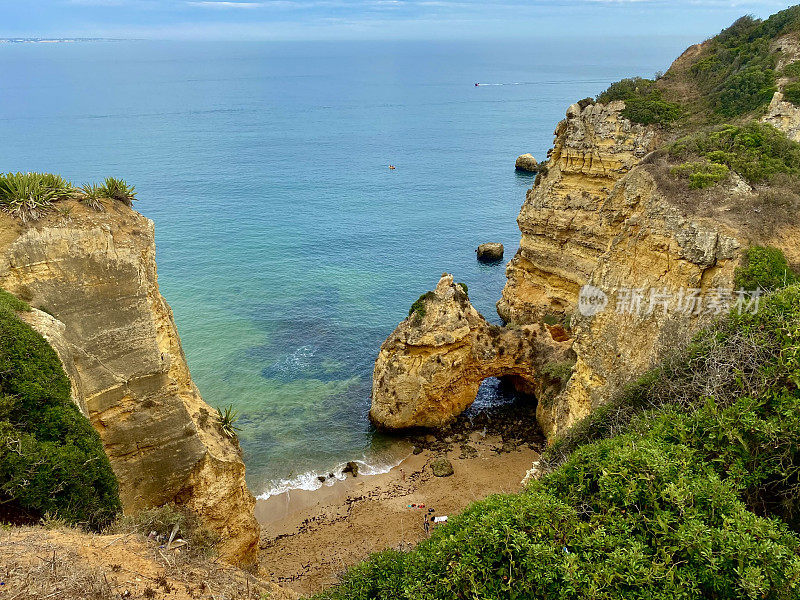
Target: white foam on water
x,y
309,481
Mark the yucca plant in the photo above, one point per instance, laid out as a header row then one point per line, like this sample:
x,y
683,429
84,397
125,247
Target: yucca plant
x,y
28,195
92,195
118,189
227,421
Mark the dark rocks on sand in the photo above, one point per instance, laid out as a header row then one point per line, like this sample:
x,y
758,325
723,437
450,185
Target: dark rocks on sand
x,y
351,467
442,467
416,450
526,162
490,252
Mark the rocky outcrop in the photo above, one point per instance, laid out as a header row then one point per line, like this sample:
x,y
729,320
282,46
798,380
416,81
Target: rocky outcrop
x,y
561,240
93,277
429,369
490,252
781,113
599,218
526,162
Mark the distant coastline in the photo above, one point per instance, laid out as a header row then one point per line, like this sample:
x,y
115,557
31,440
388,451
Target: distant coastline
x,y
37,40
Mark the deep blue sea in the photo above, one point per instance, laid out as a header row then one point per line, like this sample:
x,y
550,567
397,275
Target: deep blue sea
x,y
286,247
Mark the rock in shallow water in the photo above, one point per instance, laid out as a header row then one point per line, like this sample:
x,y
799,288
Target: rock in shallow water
x,y
526,162
490,252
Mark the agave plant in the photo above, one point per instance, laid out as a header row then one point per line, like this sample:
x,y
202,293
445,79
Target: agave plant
x,y
227,421
92,194
118,189
28,195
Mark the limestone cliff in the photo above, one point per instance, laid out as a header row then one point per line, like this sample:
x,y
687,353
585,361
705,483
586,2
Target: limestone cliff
x,y
93,277
429,370
600,217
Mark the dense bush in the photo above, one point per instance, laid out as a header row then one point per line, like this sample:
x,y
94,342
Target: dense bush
x,y
674,493
118,189
791,92
756,151
26,195
701,174
737,74
418,308
764,268
51,458
644,102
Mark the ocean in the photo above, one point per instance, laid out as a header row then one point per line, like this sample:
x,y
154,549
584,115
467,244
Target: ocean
x,y
287,248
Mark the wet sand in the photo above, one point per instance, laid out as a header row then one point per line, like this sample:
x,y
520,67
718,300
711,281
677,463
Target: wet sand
x,y
308,537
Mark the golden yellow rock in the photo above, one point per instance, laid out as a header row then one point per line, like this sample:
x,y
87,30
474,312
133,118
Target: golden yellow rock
x,y
94,273
429,370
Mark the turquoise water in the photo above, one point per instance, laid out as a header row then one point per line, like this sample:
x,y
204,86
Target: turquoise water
x,y
286,247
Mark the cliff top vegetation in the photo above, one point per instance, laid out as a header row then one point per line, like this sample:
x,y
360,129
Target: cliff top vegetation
x,y
29,195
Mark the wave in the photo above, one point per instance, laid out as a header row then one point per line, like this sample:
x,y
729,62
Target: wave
x,y
310,481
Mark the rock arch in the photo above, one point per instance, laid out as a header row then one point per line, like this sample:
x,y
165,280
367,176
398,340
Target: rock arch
x,y
429,369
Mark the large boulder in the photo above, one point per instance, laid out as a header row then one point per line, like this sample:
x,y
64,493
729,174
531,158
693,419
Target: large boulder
x,y
526,162
441,467
490,252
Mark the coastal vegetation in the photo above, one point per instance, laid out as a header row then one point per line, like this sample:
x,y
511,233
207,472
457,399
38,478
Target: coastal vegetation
x,y
52,462
644,102
227,420
687,485
29,196
756,151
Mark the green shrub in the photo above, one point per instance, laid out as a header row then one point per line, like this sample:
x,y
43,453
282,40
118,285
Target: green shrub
x,y
701,174
92,195
418,308
464,287
10,303
737,74
663,497
227,421
756,151
764,268
28,195
643,102
791,92
558,371
118,189
51,458
792,69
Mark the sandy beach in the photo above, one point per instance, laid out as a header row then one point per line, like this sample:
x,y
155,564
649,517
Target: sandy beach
x,y
308,537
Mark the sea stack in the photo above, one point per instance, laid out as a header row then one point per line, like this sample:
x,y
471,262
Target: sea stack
x,y
526,162
490,252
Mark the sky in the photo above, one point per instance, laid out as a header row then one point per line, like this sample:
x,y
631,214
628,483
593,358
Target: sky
x,y
370,19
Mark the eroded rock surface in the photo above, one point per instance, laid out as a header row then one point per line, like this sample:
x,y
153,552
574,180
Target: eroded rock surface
x,y
93,275
429,369
598,217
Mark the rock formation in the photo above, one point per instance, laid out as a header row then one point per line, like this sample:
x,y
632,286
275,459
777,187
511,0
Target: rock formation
x,y
429,370
599,217
526,162
781,113
93,277
490,252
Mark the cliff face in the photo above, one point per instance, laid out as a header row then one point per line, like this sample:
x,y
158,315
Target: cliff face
x,y
598,217
93,275
429,370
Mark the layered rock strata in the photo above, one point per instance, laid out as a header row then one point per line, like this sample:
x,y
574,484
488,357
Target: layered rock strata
x,y
92,275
